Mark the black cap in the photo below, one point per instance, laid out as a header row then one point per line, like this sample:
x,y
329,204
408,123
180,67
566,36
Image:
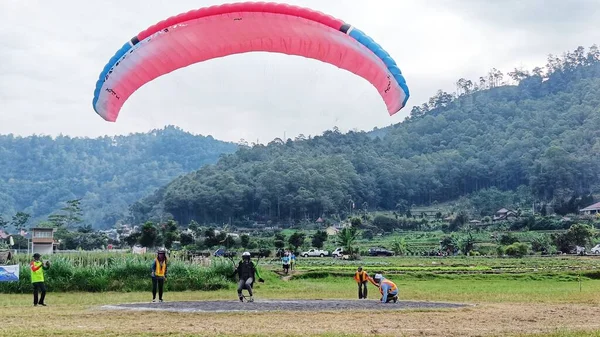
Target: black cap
x,y
36,255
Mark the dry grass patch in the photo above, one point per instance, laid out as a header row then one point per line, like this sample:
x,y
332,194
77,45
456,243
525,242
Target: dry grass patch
x,y
487,319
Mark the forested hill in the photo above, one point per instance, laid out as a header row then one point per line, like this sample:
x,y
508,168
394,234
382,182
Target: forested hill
x,y
38,173
536,131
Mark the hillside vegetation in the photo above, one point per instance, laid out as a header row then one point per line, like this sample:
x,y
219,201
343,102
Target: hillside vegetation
x,y
531,139
39,173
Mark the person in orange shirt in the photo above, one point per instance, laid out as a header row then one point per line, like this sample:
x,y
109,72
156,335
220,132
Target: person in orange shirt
x,y
361,277
387,288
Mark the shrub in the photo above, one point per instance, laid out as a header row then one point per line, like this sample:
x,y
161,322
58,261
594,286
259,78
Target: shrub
x,y
508,239
517,249
486,249
500,251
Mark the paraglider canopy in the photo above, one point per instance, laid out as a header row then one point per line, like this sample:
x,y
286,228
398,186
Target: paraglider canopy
x,y
223,30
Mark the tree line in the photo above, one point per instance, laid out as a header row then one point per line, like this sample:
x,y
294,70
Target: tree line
x,y
38,173
534,139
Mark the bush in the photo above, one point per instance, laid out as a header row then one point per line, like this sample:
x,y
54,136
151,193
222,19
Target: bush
x,y
517,249
500,250
486,249
541,244
508,239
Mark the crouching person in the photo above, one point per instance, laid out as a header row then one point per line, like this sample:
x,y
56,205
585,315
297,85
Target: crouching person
x,y
387,288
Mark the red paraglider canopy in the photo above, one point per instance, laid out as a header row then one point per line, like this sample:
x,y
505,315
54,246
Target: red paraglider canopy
x,y
223,30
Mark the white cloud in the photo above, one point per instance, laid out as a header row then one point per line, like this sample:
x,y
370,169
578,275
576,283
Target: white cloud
x,y
53,51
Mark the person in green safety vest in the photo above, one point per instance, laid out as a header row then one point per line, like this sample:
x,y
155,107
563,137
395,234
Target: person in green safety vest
x,y
37,279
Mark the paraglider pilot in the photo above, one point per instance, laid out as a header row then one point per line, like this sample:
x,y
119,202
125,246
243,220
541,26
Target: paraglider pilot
x,y
246,271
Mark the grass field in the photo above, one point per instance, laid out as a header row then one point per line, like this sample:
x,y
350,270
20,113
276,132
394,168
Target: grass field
x,y
554,305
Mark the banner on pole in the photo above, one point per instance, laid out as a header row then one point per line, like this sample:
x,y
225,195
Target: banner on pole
x,y
9,273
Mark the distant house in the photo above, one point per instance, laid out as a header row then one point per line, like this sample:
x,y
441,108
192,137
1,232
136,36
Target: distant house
x,y
429,213
137,249
233,235
320,220
332,230
110,233
592,209
42,240
504,214
475,223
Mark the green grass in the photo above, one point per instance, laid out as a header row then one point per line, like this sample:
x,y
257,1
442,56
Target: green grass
x,y
456,290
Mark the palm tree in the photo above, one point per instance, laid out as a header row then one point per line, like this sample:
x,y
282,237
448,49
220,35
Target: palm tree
x,y
346,238
399,246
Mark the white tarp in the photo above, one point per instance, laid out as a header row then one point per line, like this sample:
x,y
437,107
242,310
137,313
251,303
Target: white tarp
x,y
9,273
139,250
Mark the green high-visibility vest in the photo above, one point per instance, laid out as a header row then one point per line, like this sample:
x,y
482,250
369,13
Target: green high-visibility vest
x,y
38,274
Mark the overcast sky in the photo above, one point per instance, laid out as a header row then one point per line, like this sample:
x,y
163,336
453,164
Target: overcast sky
x,y
51,53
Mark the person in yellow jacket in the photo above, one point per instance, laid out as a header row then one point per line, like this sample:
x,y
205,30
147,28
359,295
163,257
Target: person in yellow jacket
x,y
159,274
37,279
361,277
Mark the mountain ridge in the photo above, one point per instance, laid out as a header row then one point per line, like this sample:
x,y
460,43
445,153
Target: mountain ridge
x,y
532,138
39,173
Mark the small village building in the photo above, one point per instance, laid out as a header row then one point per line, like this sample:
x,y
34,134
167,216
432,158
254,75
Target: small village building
x,y
42,241
591,209
331,230
504,214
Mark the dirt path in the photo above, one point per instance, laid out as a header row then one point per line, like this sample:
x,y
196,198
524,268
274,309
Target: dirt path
x,y
286,277
281,305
